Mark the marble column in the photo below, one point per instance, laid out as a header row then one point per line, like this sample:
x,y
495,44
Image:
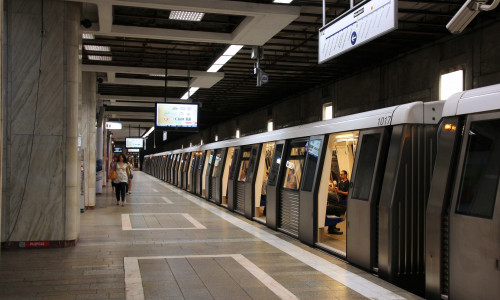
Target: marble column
x,y
41,191
1,106
88,119
99,162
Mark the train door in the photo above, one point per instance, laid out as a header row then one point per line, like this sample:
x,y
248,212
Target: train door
x,y
250,180
232,178
363,199
180,170
169,165
225,176
207,175
289,199
273,184
185,174
474,232
199,173
332,201
163,167
192,176
175,172
263,169
241,176
217,175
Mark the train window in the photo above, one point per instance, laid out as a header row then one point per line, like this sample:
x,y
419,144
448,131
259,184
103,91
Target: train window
x,y
481,172
294,165
244,166
313,149
251,165
366,166
275,166
233,163
218,158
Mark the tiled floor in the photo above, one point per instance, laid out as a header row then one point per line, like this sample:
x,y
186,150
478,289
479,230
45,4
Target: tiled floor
x,y
177,246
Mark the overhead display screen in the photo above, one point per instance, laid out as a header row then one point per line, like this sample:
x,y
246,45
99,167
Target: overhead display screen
x,y
134,143
177,116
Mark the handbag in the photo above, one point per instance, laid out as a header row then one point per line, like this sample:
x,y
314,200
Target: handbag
x,y
112,175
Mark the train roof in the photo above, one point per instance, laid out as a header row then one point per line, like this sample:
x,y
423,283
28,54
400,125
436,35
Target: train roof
x,y
410,113
473,101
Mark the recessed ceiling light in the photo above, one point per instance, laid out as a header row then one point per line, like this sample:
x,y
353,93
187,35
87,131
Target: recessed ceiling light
x,y
97,48
283,1
214,68
100,57
222,60
88,36
233,49
186,15
157,75
189,93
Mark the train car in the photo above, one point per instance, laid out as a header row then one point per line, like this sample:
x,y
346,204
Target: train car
x,y
462,229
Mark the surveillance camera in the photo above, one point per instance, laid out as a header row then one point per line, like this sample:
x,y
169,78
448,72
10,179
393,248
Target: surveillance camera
x,y
100,80
467,13
86,23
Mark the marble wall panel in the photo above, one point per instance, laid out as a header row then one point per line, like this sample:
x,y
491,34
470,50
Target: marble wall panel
x,y
40,211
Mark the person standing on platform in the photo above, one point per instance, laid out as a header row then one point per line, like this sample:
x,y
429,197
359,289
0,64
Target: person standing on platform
x,y
121,181
131,174
112,173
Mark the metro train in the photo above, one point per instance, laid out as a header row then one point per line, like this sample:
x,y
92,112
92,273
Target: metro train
x,y
424,180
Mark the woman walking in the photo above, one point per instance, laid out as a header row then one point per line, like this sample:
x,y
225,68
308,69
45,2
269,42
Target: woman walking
x,y
121,181
131,168
112,173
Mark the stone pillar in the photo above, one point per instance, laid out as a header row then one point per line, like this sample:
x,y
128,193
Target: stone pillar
x,y
88,119
41,191
99,163
1,106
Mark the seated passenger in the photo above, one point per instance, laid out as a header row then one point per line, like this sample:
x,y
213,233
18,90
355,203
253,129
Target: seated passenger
x,y
337,200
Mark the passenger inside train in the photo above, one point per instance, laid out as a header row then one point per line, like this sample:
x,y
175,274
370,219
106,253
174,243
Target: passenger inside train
x,y
332,212
261,181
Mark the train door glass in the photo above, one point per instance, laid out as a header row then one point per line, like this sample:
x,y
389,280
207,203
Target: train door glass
x,y
226,174
261,181
242,174
475,223
218,158
332,205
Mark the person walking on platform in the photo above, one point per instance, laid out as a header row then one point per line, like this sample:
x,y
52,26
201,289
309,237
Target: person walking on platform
x,y
112,173
131,175
121,181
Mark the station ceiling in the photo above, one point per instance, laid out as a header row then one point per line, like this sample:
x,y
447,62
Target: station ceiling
x,y
141,42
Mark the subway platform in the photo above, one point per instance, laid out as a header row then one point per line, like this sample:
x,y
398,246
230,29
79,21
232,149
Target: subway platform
x,y
168,244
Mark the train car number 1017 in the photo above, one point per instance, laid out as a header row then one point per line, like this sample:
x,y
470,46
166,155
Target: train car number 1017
x,y
383,121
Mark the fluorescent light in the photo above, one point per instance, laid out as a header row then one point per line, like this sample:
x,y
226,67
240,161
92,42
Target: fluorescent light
x,y
186,15
270,125
216,138
189,93
283,1
97,48
214,68
157,75
222,60
232,50
88,36
100,57
149,131
237,133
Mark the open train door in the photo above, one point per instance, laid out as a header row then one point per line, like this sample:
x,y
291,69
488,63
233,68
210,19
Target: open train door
x,y
364,192
474,253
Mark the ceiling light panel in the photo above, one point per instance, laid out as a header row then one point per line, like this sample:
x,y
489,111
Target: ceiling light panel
x,y
88,36
100,57
233,49
97,48
283,1
186,15
222,60
214,68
